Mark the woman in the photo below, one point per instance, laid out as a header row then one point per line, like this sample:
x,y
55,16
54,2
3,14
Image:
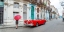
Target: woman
x,y
17,17
16,24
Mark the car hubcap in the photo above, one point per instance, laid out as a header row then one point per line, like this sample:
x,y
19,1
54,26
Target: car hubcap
x,y
37,24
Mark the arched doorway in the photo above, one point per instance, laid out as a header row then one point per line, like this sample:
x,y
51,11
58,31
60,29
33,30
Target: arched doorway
x,y
32,12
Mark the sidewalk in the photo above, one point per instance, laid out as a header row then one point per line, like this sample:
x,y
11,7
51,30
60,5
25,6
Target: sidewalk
x,y
8,26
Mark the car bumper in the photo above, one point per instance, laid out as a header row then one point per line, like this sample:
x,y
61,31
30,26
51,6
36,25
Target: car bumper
x,y
28,24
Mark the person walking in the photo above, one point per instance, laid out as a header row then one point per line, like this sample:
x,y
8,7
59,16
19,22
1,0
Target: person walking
x,y
17,17
16,24
63,17
56,16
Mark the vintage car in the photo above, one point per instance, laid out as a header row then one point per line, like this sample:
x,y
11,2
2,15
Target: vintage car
x,y
34,22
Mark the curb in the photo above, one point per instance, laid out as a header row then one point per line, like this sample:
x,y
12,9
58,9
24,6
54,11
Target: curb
x,y
10,27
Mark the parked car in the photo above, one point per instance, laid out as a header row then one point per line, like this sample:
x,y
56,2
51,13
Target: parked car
x,y
34,22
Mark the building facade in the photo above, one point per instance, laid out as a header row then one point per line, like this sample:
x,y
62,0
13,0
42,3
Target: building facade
x,y
47,9
54,12
13,7
29,10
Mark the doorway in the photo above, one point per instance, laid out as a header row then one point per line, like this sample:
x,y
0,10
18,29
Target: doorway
x,y
1,15
1,11
37,13
32,12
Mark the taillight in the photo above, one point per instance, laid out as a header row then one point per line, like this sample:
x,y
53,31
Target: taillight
x,y
25,21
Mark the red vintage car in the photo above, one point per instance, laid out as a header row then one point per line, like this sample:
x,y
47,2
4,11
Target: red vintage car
x,y
34,22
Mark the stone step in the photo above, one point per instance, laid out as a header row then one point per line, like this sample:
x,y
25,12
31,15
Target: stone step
x,y
1,26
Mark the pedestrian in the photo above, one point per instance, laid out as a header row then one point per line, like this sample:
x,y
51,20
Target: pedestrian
x,y
16,24
56,16
17,17
63,17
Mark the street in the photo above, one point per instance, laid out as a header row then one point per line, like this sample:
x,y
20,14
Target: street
x,y
55,25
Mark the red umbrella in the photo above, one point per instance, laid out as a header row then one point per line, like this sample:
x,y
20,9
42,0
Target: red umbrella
x,y
17,17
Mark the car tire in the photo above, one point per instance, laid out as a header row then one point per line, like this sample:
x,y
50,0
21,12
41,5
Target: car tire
x,y
36,24
44,23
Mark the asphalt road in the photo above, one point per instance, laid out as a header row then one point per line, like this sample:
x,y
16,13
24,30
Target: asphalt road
x,y
55,25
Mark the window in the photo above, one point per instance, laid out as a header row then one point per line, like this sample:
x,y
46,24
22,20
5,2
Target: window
x,y
37,10
38,1
14,13
37,16
42,1
16,5
35,0
24,11
30,0
24,8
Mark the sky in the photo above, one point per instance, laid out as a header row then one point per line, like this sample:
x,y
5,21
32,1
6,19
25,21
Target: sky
x,y
57,5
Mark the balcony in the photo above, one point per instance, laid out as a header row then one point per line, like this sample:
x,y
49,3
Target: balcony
x,y
48,8
54,12
18,0
27,0
40,3
31,1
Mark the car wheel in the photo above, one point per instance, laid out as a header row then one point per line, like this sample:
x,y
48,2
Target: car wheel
x,y
44,23
36,24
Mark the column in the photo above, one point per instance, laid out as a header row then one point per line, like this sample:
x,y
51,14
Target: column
x,y
28,11
10,13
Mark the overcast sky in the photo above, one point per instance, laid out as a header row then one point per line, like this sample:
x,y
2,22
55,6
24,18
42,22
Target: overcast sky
x,y
57,4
